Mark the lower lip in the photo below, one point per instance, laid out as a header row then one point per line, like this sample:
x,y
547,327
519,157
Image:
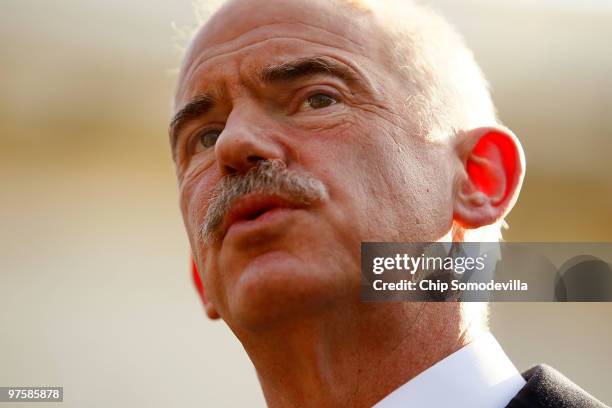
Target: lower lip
x,y
266,220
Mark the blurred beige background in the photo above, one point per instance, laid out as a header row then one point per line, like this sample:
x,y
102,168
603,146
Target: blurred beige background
x,y
95,292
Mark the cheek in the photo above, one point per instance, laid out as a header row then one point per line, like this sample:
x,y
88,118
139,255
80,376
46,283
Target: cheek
x,y
345,162
427,193
194,192
388,188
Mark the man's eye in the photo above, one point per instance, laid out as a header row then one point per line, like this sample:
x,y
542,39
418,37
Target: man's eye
x,y
318,101
209,138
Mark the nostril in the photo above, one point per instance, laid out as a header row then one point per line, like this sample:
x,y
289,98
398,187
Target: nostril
x,y
230,170
255,159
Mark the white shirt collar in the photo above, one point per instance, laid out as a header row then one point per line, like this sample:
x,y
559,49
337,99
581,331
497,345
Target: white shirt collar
x,y
478,375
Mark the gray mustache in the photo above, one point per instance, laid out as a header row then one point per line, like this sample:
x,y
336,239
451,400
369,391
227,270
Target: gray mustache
x,y
268,177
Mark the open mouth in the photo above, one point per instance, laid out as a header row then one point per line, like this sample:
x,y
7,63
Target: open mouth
x,y
255,207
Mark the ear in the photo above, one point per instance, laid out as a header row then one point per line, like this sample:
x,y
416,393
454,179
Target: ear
x,y
197,281
490,179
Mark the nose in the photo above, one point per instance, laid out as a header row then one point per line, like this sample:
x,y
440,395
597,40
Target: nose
x,y
247,139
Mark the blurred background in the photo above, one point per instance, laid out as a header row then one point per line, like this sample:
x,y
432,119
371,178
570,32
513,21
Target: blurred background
x,y
95,291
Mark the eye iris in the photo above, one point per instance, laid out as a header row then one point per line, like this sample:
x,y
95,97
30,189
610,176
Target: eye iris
x,y
319,101
208,139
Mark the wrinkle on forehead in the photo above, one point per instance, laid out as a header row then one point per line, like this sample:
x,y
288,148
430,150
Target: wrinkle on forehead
x,y
282,29
249,63
275,31
240,24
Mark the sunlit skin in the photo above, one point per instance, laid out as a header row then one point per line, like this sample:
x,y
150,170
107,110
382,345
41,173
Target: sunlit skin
x,y
289,289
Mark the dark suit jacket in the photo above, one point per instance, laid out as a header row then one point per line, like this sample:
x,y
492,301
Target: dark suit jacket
x,y
547,388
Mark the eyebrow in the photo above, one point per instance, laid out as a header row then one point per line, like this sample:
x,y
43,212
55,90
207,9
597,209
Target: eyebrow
x,y
305,67
283,72
198,106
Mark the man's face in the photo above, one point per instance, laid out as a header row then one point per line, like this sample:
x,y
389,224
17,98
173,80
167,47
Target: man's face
x,y
310,85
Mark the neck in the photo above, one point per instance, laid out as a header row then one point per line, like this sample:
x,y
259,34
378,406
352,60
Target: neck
x,y
354,356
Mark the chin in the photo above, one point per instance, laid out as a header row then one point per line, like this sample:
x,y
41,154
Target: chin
x,y
277,287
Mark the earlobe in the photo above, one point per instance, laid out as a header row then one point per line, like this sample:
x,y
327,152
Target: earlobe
x,y
490,179
197,282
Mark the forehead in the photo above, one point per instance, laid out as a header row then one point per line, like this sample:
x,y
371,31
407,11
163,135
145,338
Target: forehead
x,y
281,29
